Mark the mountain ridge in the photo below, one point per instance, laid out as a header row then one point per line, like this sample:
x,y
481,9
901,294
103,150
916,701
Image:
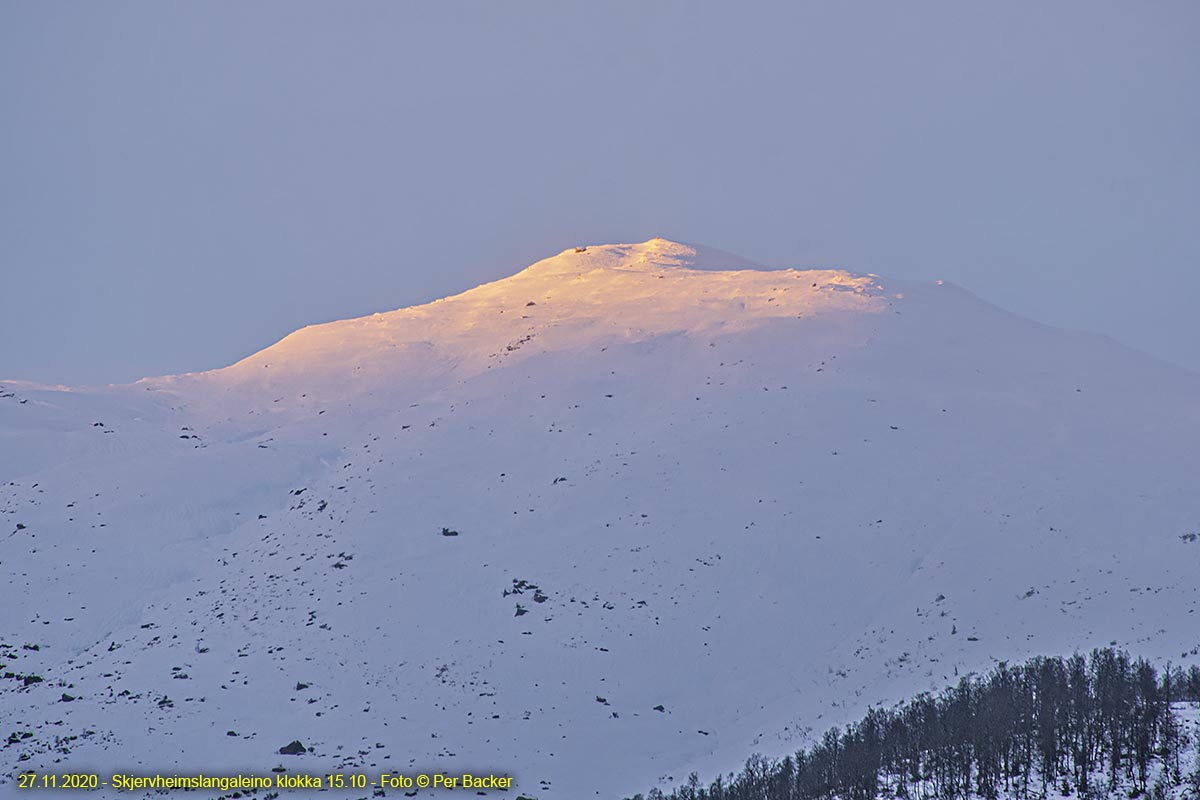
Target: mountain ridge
x,y
605,293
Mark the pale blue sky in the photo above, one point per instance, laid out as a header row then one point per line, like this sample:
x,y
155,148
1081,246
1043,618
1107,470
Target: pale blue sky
x,y
182,184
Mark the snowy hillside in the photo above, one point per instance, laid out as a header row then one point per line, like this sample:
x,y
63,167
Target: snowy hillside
x,y
699,511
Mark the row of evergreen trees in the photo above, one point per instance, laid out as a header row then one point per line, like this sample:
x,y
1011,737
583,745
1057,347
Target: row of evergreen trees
x,y
1076,725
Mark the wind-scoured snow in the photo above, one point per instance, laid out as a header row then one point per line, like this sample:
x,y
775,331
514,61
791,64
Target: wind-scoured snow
x,y
758,499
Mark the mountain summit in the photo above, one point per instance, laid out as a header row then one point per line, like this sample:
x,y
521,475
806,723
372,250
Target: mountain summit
x,y
616,518
654,254
584,296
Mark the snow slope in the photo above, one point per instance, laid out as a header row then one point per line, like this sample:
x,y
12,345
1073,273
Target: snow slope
x,y
760,499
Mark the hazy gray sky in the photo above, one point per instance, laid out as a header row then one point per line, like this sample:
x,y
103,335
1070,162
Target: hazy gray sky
x,y
182,184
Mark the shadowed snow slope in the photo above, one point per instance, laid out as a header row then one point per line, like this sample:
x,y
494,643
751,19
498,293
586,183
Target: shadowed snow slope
x,y
758,499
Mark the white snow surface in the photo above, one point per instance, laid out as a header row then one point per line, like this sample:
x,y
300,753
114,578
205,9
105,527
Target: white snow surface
x,y
762,499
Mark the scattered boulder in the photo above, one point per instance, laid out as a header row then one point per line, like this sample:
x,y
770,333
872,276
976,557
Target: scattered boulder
x,y
295,748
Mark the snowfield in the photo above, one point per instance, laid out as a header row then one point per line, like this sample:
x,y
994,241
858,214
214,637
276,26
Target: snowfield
x,y
635,511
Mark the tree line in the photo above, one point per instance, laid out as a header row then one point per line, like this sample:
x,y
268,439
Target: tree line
x,y
1088,727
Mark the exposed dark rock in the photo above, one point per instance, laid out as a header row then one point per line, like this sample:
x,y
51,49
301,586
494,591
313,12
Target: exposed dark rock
x,y
293,749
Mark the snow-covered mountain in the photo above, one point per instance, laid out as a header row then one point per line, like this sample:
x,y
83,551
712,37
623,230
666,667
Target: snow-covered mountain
x,y
635,511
